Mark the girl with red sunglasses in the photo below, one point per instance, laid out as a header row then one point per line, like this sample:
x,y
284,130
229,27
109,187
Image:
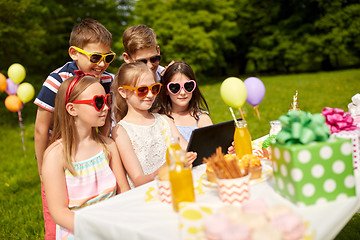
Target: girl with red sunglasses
x,y
182,100
80,167
139,134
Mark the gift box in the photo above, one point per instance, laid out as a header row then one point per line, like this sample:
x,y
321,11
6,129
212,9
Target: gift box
x,y
354,136
342,125
314,173
354,109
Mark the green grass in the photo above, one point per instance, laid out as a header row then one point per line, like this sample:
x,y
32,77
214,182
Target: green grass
x,y
20,197
315,91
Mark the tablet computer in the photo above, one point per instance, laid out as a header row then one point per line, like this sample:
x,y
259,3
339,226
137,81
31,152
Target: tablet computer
x,y
205,140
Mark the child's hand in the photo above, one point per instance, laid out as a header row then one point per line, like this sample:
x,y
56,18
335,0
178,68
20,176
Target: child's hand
x,y
190,157
163,71
231,149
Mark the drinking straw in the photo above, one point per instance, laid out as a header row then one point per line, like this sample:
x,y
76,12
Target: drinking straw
x,y
167,138
233,115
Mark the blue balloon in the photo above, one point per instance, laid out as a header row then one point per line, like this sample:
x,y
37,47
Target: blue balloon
x,y
255,90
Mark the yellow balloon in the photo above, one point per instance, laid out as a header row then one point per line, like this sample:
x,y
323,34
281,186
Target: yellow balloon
x,y
2,82
233,92
13,103
25,92
16,73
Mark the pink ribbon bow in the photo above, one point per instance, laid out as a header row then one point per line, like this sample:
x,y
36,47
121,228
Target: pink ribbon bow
x,y
338,120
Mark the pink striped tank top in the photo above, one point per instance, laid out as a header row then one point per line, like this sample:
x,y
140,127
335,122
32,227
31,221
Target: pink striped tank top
x,y
95,182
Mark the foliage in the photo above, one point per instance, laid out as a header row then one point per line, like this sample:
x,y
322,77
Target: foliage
x,y
36,33
21,34
238,36
229,37
195,31
300,35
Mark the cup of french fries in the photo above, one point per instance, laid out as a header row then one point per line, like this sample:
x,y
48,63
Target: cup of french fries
x,y
231,176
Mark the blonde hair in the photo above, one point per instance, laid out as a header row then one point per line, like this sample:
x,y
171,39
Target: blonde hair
x,y
128,74
64,123
89,31
138,37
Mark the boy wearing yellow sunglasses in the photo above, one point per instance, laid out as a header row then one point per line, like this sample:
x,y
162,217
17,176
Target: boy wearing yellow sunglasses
x,y
90,44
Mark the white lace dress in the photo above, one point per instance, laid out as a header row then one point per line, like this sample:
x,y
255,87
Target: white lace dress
x,y
149,143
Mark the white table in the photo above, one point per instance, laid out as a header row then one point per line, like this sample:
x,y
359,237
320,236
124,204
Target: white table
x,y
128,216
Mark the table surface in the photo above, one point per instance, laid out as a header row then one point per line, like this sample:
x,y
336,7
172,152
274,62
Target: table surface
x,y
130,216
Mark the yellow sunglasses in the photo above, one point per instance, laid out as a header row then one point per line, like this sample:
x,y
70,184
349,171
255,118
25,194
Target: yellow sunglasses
x,y
97,57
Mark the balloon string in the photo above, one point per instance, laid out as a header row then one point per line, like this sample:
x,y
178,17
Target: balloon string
x,y
242,115
257,111
21,129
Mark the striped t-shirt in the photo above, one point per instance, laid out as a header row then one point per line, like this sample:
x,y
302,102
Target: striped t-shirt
x,y
94,182
47,94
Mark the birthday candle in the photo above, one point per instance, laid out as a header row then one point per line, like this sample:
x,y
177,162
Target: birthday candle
x,y
295,100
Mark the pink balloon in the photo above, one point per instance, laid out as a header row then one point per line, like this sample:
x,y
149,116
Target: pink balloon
x,y
255,90
11,87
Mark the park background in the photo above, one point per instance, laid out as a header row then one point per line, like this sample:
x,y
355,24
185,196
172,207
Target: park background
x,y
312,46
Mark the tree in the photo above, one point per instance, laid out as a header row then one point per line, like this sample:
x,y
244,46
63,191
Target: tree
x,y
197,32
36,33
21,33
280,36
336,34
352,12
215,37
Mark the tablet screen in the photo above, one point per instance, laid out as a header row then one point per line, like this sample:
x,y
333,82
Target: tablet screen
x,y
205,140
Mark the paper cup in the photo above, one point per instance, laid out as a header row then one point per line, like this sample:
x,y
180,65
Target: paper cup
x,y
192,217
234,191
164,190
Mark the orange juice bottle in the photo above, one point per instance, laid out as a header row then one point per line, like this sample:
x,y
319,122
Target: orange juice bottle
x,y
182,187
242,139
174,146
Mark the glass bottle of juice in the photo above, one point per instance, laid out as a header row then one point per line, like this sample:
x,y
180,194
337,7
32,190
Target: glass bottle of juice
x,y
174,146
182,187
242,139
275,127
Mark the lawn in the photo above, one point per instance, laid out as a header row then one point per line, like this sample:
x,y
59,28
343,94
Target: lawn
x,y
20,198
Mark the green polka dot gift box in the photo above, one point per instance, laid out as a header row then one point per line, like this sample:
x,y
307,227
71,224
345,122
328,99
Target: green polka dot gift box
x,y
309,167
314,173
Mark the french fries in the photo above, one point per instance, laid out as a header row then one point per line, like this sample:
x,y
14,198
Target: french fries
x,y
225,168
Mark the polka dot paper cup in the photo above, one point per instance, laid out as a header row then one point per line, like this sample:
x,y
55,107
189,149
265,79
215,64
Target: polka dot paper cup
x,y
234,191
191,219
164,190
